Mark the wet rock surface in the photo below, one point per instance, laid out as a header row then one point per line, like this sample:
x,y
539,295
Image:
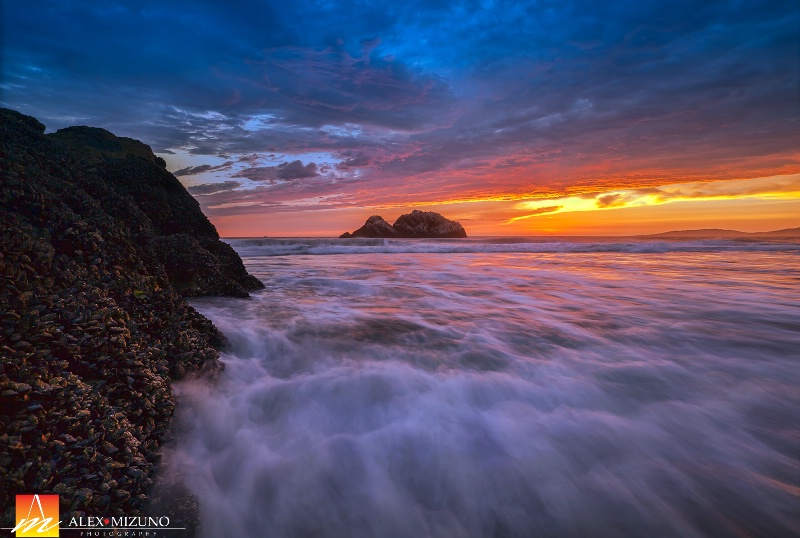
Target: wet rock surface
x,y
417,224
100,244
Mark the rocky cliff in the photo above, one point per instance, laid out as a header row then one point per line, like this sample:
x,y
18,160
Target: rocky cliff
x,y
185,242
99,245
417,224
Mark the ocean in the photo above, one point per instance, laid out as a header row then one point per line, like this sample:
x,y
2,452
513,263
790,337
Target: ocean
x,y
502,387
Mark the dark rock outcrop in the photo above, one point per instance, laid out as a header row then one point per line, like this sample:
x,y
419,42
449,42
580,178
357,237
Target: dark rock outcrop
x,y
98,243
183,237
92,144
428,224
417,224
203,266
374,227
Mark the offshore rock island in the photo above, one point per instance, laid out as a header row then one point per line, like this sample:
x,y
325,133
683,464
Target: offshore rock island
x,y
100,245
417,224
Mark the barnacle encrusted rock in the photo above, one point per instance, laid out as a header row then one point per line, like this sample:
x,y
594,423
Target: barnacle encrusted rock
x,y
99,244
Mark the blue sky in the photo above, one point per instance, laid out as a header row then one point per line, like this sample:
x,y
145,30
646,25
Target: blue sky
x,y
292,107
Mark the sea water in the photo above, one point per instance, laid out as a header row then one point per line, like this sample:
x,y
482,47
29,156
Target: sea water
x,y
502,387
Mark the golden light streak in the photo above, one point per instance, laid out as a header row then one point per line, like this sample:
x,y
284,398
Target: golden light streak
x,y
769,188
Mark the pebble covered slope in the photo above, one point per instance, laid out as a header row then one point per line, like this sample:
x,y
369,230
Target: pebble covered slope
x,y
99,244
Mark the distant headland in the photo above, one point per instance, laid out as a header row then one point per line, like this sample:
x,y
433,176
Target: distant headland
x,y
714,233
417,224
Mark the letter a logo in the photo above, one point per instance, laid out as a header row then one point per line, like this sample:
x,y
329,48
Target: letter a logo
x,y
37,515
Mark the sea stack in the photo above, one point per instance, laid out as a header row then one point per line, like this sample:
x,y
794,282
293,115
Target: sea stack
x,y
417,224
374,227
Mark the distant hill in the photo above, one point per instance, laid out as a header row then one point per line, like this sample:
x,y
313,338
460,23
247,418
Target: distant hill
x,y
720,233
786,232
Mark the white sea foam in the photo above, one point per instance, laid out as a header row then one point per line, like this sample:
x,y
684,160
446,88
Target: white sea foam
x,y
327,246
515,393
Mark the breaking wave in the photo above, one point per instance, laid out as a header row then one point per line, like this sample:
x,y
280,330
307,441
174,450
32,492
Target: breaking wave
x,y
328,246
502,393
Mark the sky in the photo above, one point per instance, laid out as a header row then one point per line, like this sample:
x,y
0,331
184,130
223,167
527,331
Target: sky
x,y
304,118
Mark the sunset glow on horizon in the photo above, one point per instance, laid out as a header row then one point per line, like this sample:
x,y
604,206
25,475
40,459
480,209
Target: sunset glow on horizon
x,y
304,119
758,205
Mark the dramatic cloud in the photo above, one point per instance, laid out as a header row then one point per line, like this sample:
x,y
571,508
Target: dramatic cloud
x,y
194,170
610,200
285,171
253,157
418,102
354,159
213,188
539,211
296,170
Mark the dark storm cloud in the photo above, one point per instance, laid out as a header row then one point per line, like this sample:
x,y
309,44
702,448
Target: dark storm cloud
x,y
193,170
538,92
237,59
278,196
296,170
354,159
285,171
253,157
213,188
